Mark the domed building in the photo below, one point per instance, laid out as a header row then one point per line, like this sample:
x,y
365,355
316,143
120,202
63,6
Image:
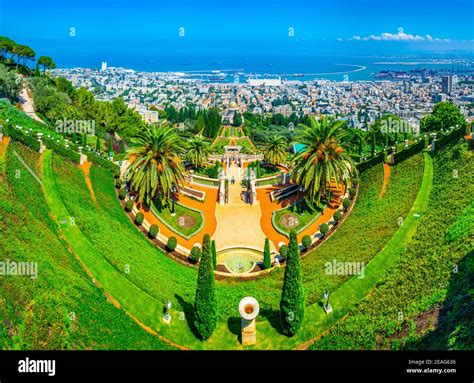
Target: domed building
x,y
233,106
229,113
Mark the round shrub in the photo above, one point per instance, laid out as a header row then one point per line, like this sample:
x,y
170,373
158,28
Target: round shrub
x,y
153,231
355,182
283,251
352,192
172,243
118,183
117,173
195,255
337,216
129,205
306,241
122,193
346,203
324,228
139,217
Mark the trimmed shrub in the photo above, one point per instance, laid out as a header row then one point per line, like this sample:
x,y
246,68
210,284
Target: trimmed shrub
x,y
139,217
205,304
284,251
118,183
337,216
324,228
292,295
346,203
129,205
214,254
195,255
172,243
355,182
122,193
153,231
306,241
352,192
267,261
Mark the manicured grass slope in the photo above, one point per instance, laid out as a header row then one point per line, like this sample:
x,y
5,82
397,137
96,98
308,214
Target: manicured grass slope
x,y
422,303
61,309
105,224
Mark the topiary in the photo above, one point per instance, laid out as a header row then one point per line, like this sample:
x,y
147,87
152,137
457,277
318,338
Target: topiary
x,y
292,295
306,241
346,203
195,255
153,231
337,216
352,192
283,251
355,182
267,261
122,193
205,304
139,217
129,205
118,183
324,228
172,243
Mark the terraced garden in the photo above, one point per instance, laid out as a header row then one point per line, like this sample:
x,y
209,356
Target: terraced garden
x,y
101,266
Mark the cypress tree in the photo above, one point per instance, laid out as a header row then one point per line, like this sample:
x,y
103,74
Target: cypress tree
x,y
292,296
267,262
205,306
214,253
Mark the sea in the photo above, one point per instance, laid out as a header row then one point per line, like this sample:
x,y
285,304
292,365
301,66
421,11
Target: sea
x,y
235,62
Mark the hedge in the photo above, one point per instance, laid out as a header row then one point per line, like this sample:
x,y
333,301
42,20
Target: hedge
x,y
172,243
129,205
139,217
377,159
153,231
410,151
306,241
324,228
195,255
29,140
98,160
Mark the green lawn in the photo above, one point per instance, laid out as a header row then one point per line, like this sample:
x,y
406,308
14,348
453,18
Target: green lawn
x,y
174,223
151,268
397,313
61,309
300,212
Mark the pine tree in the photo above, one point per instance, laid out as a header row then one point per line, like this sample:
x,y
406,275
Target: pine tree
x,y
292,296
214,254
205,305
267,262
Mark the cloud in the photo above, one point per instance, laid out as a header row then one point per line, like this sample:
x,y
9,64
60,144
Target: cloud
x,y
399,36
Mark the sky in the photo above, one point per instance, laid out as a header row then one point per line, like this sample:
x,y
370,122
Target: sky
x,y
250,26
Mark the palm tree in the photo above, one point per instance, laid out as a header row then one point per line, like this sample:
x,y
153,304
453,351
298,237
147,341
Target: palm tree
x,y
197,151
325,159
156,167
274,151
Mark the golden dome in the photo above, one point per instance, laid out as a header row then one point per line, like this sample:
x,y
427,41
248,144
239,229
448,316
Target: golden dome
x,y
233,105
